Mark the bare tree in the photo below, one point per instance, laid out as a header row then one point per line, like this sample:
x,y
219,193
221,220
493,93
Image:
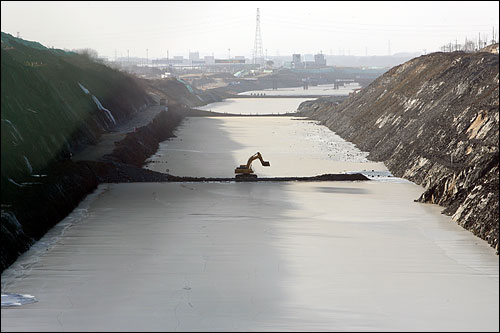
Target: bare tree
x,y
89,53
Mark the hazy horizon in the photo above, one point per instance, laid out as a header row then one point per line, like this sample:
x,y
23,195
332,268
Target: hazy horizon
x,y
228,28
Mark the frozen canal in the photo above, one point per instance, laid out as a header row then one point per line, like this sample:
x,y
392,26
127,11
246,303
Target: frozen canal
x,y
318,256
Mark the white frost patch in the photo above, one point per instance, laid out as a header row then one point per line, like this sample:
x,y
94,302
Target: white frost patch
x,y
480,90
422,161
13,182
381,95
481,134
85,90
381,176
383,120
461,88
410,103
28,164
422,88
9,299
19,138
102,108
420,131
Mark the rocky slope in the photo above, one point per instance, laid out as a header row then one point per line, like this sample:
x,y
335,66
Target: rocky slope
x,y
434,121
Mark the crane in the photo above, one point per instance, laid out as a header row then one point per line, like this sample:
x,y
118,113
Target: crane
x,y
246,171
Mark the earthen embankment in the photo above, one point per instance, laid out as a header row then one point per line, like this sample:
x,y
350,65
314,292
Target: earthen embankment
x,y
433,120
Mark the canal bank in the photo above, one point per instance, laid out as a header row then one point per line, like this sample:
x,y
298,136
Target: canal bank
x,y
246,256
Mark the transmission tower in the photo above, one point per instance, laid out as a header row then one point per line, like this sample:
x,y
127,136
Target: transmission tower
x,y
257,49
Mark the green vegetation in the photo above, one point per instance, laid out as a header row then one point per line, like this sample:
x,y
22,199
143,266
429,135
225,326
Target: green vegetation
x,y
46,114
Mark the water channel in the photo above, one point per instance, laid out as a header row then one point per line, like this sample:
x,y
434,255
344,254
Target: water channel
x,y
225,256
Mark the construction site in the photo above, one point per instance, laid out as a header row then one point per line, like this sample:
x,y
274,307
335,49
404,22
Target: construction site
x,y
234,194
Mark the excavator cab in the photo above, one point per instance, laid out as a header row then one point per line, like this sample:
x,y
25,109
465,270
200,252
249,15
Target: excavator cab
x,y
245,171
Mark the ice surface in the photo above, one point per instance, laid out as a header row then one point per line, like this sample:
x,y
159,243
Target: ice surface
x,y
315,256
85,90
9,300
28,165
295,147
339,256
102,108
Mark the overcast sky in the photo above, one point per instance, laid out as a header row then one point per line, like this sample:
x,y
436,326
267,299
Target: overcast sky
x,y
355,28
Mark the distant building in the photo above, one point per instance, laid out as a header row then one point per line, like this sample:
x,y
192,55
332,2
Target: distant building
x,y
240,58
308,57
209,60
194,56
319,60
230,61
165,61
309,64
296,62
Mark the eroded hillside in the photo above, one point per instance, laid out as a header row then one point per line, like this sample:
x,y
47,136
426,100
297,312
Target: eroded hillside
x,y
432,120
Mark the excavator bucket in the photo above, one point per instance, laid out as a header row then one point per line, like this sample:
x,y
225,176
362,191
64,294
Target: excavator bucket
x,y
266,163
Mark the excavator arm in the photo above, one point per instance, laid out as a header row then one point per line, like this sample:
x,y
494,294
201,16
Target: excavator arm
x,y
257,156
246,169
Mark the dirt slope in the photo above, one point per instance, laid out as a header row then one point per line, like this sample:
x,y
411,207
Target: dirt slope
x,y
434,121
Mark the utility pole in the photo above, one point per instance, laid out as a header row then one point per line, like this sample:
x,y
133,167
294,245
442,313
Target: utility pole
x,y
229,53
17,34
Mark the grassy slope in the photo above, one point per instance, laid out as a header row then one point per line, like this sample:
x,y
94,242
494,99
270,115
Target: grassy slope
x,y
45,116
45,112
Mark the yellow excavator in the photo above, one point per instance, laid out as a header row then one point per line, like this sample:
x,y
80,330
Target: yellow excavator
x,y
245,171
